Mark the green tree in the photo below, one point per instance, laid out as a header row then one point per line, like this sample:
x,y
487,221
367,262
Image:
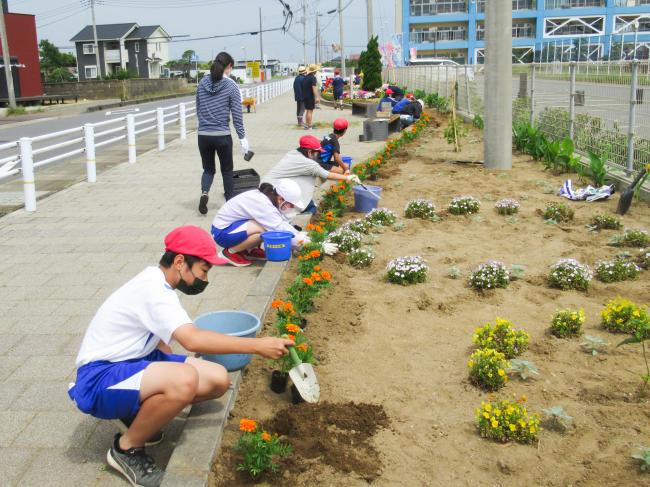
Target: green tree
x,y
370,64
54,62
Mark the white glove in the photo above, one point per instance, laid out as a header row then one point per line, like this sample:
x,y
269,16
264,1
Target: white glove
x,y
330,248
244,146
300,239
353,178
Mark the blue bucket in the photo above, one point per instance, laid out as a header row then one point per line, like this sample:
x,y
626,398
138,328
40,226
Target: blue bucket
x,y
366,200
277,245
347,160
233,323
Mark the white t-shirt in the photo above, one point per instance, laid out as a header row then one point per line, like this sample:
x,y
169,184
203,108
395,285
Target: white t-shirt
x,y
298,168
133,320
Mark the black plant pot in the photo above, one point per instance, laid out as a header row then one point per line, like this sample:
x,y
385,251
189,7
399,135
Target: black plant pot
x,y
279,381
303,323
296,398
373,177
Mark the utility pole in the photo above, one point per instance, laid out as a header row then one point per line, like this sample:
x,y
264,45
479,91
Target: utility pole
x,y
341,38
261,44
6,57
304,32
96,44
498,82
371,30
317,41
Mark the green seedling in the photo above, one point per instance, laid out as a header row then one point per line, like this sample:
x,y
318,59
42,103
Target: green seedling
x,y
593,344
523,368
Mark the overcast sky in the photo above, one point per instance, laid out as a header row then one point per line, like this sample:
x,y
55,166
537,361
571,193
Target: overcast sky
x,y
60,20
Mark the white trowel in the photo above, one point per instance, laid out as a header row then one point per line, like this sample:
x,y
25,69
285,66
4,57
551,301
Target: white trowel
x,y
304,378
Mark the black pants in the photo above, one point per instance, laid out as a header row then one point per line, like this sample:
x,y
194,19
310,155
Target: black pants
x,y
300,109
222,145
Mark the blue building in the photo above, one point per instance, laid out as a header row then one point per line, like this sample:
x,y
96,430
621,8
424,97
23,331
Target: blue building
x,y
542,30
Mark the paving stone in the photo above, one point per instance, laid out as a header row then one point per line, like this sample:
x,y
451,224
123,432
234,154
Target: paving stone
x,y
9,391
43,396
56,429
51,368
8,365
7,341
14,461
65,467
51,344
11,424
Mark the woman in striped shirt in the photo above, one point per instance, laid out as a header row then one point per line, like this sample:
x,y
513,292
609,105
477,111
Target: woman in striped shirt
x,y
217,98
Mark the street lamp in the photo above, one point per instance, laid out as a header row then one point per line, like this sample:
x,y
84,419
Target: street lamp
x,y
635,26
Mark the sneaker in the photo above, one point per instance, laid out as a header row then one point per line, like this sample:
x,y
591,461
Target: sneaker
x,y
235,259
255,254
124,424
203,204
138,467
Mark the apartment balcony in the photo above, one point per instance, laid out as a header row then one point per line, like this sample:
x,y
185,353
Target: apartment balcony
x,y
632,3
435,37
112,55
563,4
519,31
419,8
516,5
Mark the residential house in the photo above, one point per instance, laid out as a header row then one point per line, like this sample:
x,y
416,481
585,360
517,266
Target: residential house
x,y
142,50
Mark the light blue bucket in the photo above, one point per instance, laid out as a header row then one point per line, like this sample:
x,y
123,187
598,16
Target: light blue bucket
x,y
347,160
366,200
233,323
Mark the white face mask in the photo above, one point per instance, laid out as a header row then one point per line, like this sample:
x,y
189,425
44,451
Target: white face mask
x,y
289,213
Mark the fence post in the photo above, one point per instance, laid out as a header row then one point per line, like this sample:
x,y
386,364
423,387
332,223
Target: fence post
x,y
91,167
160,123
572,98
632,120
27,165
181,118
532,95
130,137
469,103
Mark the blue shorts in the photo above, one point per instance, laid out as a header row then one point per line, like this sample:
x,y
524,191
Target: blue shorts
x,y
111,390
232,235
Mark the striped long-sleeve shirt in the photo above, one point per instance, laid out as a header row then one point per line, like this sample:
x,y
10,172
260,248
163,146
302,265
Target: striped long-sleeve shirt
x,y
215,103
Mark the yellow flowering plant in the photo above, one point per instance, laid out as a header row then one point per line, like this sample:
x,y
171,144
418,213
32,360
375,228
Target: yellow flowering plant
x,y
621,315
487,369
259,447
504,420
568,323
502,337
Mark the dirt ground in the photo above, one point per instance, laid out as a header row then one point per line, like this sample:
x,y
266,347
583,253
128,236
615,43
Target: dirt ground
x,y
396,406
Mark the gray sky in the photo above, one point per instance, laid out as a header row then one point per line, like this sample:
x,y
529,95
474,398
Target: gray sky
x,y
59,20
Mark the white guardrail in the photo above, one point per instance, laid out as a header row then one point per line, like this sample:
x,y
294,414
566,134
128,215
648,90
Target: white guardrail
x,y
92,136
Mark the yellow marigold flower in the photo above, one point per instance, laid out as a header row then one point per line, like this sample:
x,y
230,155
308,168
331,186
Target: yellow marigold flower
x,y
510,410
495,423
501,372
532,430
522,423
488,407
636,313
513,427
486,415
497,412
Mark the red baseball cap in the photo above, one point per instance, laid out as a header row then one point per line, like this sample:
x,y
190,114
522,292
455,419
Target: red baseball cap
x,y
310,142
409,95
340,124
389,91
194,241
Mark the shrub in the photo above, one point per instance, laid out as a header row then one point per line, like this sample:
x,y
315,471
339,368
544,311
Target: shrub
x,y
361,257
568,323
259,447
407,270
464,205
504,420
644,259
381,217
487,369
616,270
621,315
507,206
558,212
491,275
501,337
605,222
347,240
420,208
632,238
359,225
569,274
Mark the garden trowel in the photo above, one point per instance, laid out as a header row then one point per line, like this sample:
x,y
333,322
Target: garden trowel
x,y
304,378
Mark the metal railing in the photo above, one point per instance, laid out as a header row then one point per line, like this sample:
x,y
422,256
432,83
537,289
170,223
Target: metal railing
x,y
603,110
92,136
516,5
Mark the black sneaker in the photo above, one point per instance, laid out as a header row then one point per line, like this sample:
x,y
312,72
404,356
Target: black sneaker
x,y
138,467
124,424
203,204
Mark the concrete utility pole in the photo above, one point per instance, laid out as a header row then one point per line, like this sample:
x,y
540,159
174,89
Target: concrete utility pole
x,y
261,44
341,38
6,57
371,30
95,43
304,32
498,83
316,48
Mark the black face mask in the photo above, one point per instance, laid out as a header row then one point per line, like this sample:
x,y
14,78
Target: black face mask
x,y
197,287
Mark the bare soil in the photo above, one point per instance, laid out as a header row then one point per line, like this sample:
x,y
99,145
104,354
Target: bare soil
x,y
396,406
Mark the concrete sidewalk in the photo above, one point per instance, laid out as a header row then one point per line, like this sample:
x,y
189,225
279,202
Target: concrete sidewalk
x,y
61,262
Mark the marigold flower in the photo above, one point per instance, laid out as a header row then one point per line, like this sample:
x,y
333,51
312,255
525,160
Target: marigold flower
x,y
341,198
317,268
316,277
291,337
303,347
307,281
329,218
266,436
334,188
326,275
513,427
495,423
276,303
291,328
315,253
247,425
319,229
288,307
300,257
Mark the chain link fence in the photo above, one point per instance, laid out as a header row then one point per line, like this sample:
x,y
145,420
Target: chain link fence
x,y
601,106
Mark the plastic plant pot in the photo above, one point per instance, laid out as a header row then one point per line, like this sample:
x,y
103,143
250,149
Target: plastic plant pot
x,y
279,381
296,398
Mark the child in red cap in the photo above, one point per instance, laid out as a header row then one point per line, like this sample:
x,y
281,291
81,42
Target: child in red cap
x,y
331,155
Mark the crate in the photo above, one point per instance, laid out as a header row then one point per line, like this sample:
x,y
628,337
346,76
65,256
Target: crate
x,y
245,180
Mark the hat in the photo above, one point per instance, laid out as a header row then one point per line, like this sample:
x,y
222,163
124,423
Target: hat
x,y
389,91
312,68
310,142
194,241
302,69
409,96
290,191
340,124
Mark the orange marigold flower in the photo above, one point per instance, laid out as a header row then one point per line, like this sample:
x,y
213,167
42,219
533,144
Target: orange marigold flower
x,y
307,281
329,213
300,257
326,275
329,218
341,198
288,306
291,337
276,303
266,436
247,425
315,253
316,277
303,347
317,268
310,227
342,186
291,328
319,229
334,188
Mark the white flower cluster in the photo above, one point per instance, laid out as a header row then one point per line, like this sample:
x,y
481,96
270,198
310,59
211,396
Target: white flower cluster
x,y
464,205
634,238
507,206
358,225
491,275
644,258
616,270
407,270
570,274
381,216
347,240
361,257
420,208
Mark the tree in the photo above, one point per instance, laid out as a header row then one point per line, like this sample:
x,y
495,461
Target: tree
x,y
54,62
370,64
